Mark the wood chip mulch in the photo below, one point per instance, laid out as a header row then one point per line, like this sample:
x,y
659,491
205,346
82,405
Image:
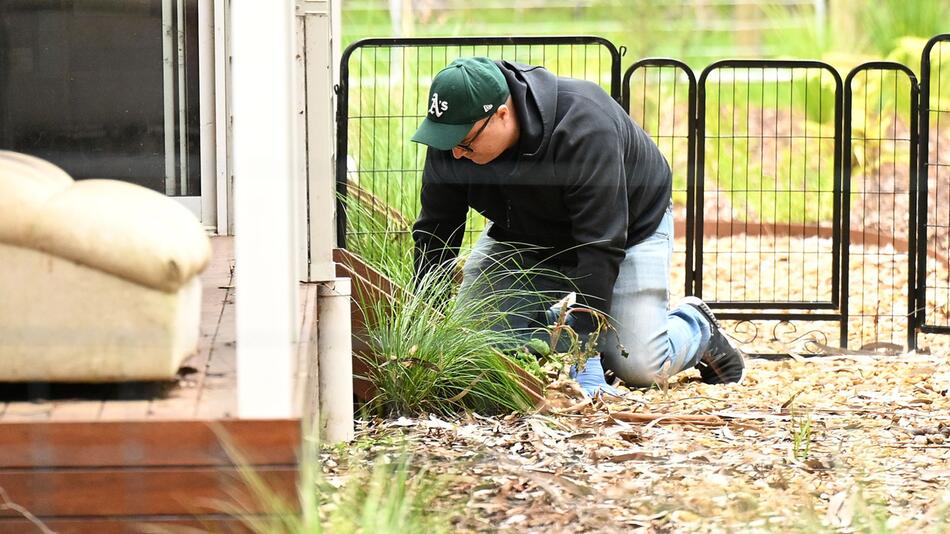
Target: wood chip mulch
x,y
872,453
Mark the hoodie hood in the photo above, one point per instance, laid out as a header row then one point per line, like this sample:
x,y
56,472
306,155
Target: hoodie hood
x,y
534,96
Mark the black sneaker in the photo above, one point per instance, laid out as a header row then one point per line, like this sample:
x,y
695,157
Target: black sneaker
x,y
722,363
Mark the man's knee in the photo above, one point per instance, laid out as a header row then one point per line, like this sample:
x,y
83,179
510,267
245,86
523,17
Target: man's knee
x,y
640,366
634,373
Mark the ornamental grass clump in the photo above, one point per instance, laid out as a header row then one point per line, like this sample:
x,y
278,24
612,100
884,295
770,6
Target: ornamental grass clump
x,y
434,353
429,351
382,239
382,495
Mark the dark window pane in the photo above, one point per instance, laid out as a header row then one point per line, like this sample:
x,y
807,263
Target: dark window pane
x,y
82,85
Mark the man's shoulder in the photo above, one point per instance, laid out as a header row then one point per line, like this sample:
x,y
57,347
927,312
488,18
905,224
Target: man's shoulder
x,y
585,100
582,88
585,104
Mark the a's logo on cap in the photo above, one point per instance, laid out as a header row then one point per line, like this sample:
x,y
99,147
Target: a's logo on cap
x,y
438,106
487,107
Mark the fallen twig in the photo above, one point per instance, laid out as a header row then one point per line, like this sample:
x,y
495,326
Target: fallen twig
x,y
901,446
642,417
572,409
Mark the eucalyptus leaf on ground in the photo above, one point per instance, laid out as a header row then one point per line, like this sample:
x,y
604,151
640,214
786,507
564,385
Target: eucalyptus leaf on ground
x,y
878,454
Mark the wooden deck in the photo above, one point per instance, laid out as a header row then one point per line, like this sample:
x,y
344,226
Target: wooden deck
x,y
109,458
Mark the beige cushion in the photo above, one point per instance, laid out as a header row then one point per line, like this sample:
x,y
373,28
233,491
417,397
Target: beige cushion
x,y
115,227
26,184
61,321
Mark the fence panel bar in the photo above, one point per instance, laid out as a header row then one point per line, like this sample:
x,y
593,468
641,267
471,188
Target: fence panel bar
x,y
805,198
383,87
880,147
768,190
933,244
660,95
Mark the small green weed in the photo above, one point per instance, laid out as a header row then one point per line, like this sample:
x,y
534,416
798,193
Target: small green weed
x,y
529,361
801,431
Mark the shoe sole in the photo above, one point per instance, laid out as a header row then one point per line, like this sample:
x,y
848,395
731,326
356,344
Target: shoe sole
x,y
698,303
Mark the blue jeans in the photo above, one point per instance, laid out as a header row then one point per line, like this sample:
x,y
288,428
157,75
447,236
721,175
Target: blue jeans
x,y
660,342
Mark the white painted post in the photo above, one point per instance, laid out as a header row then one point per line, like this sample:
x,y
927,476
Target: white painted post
x,y
319,68
222,118
335,354
303,223
321,29
821,19
262,44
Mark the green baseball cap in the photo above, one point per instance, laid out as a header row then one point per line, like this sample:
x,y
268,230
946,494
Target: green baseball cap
x,y
463,93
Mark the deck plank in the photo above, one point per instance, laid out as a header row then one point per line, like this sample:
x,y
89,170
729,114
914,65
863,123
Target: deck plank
x,y
144,491
217,393
217,389
124,410
76,410
147,443
127,524
27,411
185,400
129,404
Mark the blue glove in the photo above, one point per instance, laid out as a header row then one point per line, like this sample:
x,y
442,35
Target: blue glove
x,y
591,379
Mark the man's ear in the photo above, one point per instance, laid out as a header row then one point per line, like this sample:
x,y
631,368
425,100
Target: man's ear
x,y
502,111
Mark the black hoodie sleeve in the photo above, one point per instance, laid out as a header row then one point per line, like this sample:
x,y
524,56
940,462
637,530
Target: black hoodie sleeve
x,y
590,157
440,227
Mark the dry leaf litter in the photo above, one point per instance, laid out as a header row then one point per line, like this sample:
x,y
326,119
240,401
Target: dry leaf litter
x,y
846,442
700,457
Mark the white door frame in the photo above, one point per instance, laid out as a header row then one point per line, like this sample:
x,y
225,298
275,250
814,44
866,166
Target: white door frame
x,y
212,206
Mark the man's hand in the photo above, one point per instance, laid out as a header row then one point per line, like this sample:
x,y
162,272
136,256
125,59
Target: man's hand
x,y
592,381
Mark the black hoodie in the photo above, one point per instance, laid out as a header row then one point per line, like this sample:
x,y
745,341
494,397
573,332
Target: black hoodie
x,y
583,179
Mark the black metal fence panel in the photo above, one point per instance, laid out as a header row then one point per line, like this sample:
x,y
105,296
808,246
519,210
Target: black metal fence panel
x,y
768,247
383,91
880,170
933,262
807,207
660,95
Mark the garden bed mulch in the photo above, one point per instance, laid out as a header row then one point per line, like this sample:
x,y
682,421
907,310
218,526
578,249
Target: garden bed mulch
x,y
850,443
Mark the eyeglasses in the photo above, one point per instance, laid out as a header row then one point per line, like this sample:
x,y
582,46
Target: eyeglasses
x,y
467,147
